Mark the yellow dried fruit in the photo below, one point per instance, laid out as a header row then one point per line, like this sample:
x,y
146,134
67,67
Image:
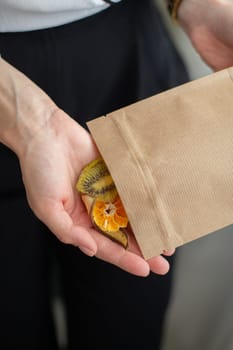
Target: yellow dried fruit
x,y
102,201
96,181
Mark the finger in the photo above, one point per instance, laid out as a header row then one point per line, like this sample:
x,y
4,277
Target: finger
x,y
169,252
159,265
134,247
130,261
62,225
113,253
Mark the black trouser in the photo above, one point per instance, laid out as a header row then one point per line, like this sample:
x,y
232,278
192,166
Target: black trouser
x,y
89,68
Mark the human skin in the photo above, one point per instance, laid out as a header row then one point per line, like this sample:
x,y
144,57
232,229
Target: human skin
x,y
209,26
52,150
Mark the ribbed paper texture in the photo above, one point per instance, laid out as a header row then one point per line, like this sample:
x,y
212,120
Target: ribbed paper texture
x,y
171,157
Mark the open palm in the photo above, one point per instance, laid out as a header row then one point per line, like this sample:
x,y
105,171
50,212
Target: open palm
x,y
50,166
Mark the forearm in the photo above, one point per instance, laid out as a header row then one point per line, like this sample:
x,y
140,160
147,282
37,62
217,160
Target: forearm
x,y
24,108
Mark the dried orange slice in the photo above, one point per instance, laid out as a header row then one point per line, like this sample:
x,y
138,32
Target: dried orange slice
x,y
109,216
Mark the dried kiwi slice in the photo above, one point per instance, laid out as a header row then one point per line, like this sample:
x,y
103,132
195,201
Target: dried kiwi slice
x,y
96,181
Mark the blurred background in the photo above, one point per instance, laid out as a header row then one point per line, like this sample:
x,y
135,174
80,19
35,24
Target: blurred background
x,y
200,315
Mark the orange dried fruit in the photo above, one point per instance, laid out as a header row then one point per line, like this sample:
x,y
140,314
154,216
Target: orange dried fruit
x,y
109,216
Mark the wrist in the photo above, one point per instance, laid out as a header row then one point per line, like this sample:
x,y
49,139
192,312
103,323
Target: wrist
x,y
24,108
191,13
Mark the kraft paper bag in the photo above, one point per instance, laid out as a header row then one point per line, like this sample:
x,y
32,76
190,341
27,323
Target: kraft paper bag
x,y
171,157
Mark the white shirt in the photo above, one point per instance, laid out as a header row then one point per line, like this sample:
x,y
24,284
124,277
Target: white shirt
x,y
25,15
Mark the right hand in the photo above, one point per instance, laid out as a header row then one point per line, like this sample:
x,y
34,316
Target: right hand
x,y
52,149
209,25
51,164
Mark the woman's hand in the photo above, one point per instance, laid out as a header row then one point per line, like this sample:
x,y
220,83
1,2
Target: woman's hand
x,y
52,149
51,164
209,25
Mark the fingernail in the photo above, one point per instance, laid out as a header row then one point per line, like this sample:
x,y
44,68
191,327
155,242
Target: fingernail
x,y
87,251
